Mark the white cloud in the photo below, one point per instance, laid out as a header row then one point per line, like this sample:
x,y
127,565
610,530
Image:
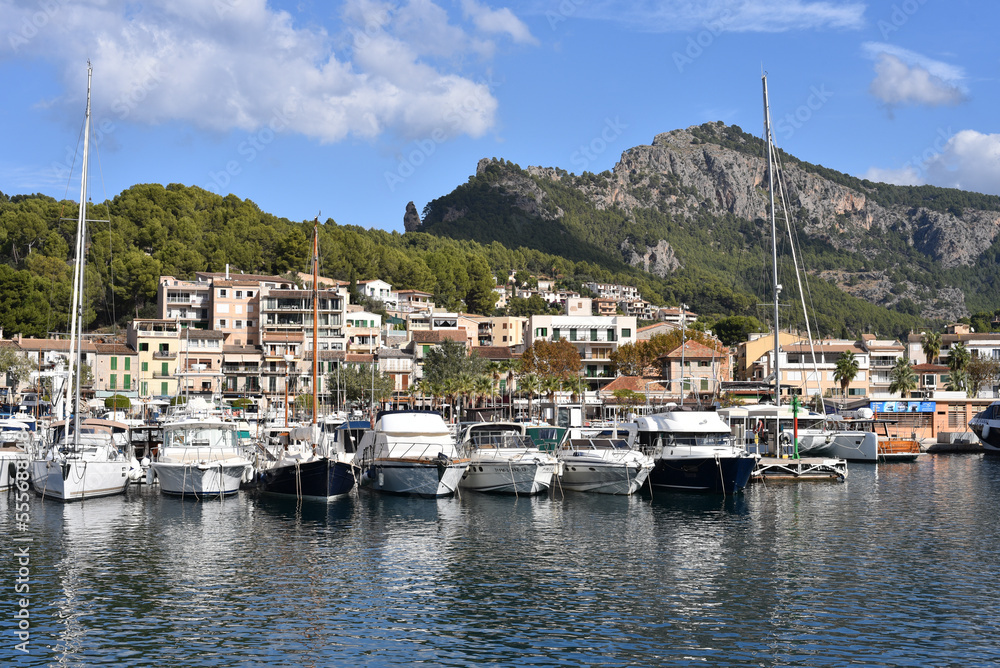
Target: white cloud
x,y
240,64
904,176
728,15
968,160
903,77
498,21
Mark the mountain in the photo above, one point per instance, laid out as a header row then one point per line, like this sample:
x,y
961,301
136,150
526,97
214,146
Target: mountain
x,y
693,207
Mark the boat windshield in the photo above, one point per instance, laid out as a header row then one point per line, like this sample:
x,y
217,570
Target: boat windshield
x,y
709,440
200,437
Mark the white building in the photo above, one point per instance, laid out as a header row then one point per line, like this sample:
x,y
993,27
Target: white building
x,y
595,338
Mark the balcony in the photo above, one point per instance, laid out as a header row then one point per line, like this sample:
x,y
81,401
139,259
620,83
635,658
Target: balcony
x,y
164,355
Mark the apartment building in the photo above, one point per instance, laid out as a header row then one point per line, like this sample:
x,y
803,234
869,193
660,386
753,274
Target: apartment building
x,y
115,370
157,344
594,337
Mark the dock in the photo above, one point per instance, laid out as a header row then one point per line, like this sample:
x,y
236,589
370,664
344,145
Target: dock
x,y
780,469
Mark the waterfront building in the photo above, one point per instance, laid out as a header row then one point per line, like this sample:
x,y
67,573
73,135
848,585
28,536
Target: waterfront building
x,y
115,370
694,368
157,343
595,338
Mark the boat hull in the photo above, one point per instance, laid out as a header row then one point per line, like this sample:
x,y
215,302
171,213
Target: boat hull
x,y
319,479
599,476
10,460
853,446
727,475
509,477
198,480
79,479
414,478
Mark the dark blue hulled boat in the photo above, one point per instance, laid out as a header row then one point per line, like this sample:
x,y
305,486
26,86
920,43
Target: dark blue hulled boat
x,y
986,426
693,451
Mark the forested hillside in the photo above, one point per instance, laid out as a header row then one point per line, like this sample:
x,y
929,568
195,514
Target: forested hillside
x,y
178,230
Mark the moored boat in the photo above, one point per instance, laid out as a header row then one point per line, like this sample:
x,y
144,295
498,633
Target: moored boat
x,y
410,452
504,460
85,460
986,426
694,451
200,456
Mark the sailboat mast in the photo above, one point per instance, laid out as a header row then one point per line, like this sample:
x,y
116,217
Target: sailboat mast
x,y
76,320
315,385
774,241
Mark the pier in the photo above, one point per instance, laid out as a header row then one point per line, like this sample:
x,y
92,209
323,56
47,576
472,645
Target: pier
x,y
802,468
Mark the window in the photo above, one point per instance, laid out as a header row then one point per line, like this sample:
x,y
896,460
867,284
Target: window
x,y
113,382
505,339
163,389
145,366
704,383
128,363
541,332
593,335
127,382
555,333
239,324
239,294
222,293
114,363
626,332
143,347
249,293
222,308
701,363
164,347
222,323
164,371
145,389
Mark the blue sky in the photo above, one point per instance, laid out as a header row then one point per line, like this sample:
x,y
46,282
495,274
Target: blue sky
x,y
354,109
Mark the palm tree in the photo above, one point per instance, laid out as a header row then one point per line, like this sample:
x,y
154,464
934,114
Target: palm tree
x,y
903,380
957,381
846,370
958,357
529,383
932,346
482,386
551,385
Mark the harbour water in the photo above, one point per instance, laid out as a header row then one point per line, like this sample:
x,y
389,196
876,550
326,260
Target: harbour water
x,y
895,567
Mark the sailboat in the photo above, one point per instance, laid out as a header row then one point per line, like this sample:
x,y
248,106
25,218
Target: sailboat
x,y
815,440
83,459
311,464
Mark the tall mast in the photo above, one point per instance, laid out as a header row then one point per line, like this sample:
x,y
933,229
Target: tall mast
x,y
76,313
315,385
774,241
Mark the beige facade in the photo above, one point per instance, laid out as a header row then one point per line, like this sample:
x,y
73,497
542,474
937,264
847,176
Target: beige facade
x,y
115,370
157,344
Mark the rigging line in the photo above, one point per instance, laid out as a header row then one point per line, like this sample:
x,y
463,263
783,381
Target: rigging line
x,y
798,278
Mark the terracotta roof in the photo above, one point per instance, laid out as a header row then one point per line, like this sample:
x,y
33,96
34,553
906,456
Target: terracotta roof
x,y
291,337
53,344
930,368
414,292
357,358
439,335
114,349
202,334
635,383
694,349
5,343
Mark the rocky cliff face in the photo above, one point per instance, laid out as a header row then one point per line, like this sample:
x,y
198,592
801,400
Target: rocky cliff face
x,y
715,169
